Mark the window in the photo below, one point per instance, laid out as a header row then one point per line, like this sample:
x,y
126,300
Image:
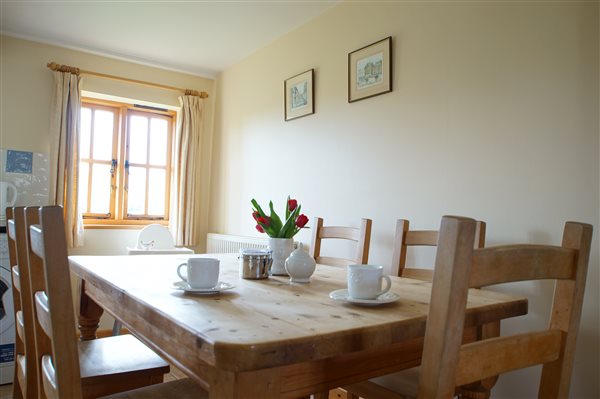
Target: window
x,y
125,163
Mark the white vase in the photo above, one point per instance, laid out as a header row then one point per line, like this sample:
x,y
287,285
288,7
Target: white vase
x,y
282,248
300,266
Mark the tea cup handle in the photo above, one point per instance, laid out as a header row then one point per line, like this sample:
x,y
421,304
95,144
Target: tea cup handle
x,y
388,284
179,272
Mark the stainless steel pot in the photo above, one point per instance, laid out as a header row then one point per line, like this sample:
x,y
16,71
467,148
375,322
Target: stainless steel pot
x,y
255,264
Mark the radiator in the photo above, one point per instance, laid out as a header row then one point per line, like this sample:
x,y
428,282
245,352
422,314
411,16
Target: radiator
x,y
227,243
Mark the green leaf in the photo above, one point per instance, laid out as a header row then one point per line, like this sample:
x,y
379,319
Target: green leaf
x,y
275,221
257,208
288,229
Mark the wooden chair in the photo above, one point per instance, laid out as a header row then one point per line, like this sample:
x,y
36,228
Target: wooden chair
x,y
361,235
97,367
405,238
446,364
26,370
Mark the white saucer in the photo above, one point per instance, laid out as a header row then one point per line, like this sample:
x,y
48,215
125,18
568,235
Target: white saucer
x,y
342,295
221,286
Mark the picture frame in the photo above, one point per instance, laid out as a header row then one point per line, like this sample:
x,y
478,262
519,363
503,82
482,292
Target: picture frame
x,y
299,95
370,70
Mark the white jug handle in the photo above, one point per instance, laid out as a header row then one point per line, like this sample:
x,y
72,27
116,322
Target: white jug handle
x,y
14,194
388,284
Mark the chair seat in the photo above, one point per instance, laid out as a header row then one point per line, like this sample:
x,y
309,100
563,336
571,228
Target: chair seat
x,y
180,389
113,364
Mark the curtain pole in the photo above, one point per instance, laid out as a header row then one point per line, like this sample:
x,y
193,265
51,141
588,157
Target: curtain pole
x,y
65,68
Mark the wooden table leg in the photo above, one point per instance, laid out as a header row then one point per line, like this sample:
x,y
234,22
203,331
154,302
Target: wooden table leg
x,y
250,384
89,315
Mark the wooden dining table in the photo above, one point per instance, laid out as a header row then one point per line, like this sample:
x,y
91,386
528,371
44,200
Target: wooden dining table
x,y
266,338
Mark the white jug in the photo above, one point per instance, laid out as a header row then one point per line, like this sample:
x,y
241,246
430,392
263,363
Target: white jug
x,y
8,197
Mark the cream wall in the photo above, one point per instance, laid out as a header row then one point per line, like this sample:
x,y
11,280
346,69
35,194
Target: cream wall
x,y
26,89
493,115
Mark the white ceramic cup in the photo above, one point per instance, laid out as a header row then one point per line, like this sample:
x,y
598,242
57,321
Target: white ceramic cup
x,y
201,272
364,281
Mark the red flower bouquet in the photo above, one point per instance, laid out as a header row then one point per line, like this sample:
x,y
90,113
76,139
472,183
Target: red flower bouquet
x,y
272,224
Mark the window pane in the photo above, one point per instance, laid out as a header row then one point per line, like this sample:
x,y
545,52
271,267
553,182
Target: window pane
x,y
86,128
84,170
103,135
158,142
156,192
138,139
100,194
136,195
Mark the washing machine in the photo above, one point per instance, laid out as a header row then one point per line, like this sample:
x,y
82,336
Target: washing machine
x,y
7,314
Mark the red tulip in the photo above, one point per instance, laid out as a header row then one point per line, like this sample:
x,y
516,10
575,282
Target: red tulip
x,y
255,215
264,221
301,221
259,228
292,204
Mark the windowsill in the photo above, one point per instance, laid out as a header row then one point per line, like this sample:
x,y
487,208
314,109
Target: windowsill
x,y
120,224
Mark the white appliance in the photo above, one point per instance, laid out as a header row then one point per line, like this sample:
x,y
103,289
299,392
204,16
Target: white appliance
x,y
8,197
7,315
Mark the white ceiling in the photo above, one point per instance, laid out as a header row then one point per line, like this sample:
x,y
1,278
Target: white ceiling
x,y
197,37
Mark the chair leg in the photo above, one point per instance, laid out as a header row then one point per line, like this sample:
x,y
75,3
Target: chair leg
x,y
116,330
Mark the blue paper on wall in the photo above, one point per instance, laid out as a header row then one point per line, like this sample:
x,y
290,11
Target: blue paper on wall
x,y
19,161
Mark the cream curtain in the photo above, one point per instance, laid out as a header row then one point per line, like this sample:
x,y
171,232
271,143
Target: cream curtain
x,y
64,152
184,220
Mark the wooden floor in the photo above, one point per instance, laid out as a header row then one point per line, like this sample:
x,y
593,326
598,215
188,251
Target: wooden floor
x,y
6,391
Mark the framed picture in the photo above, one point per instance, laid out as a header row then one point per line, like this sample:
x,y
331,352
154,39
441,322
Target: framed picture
x,y
299,95
370,70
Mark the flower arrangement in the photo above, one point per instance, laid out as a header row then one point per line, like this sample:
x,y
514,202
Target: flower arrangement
x,y
273,226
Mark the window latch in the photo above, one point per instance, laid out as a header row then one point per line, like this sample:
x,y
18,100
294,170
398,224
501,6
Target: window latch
x,y
113,167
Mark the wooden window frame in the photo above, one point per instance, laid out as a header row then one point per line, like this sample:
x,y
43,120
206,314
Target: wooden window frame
x,y
118,218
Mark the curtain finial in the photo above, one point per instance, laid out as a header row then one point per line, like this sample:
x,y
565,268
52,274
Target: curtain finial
x,y
62,68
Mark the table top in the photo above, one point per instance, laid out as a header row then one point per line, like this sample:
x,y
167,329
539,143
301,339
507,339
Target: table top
x,y
263,323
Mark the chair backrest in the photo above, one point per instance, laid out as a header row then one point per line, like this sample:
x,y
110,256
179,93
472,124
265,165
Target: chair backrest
x,y
361,235
26,365
155,236
55,319
446,364
405,238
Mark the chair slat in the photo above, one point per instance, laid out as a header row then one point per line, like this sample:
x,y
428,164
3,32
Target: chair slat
x,y
21,365
49,378
491,357
345,233
510,263
37,240
20,324
16,278
326,260
418,274
422,237
43,312
12,233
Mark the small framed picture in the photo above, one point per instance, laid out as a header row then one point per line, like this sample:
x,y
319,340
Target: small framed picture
x,y
299,95
370,70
